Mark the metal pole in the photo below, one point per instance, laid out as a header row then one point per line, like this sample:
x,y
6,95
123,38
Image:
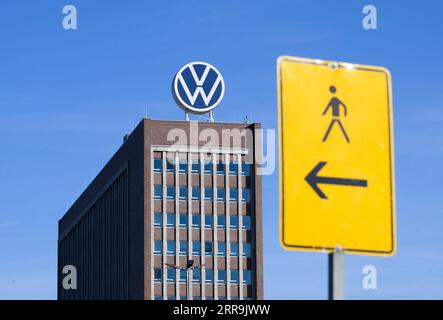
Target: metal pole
x,y
187,285
336,275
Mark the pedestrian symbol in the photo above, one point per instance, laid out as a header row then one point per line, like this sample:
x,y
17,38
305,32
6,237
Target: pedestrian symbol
x,y
335,104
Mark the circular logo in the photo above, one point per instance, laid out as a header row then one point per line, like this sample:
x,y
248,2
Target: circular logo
x,y
198,87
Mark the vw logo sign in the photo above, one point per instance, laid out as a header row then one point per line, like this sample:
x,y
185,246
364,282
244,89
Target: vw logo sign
x,y
198,87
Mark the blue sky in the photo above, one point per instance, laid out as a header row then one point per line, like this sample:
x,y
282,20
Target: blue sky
x,y
68,97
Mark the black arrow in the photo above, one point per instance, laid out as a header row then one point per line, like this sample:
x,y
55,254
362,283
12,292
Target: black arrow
x,y
313,180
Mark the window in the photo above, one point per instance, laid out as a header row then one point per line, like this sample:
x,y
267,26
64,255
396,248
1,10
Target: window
x,y
208,221
183,275
234,249
233,167
157,274
196,248
221,221
209,276
158,219
196,220
170,247
246,195
246,250
234,276
233,194
158,298
171,297
170,220
196,275
233,222
208,168
245,169
221,250
220,194
170,275
246,222
183,166
158,247
170,165
209,248
221,276
208,194
183,248
170,193
220,167
158,165
183,193
158,192
247,277
195,167
195,193
183,220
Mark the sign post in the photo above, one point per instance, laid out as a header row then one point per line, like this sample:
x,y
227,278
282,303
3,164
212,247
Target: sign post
x,y
336,161
336,275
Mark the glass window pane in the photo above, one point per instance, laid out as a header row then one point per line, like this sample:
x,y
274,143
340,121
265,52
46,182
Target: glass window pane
x,y
183,220
170,247
246,196
247,250
196,220
221,276
233,168
183,193
158,219
184,248
195,167
170,193
209,276
208,221
234,249
158,247
182,275
195,193
183,166
246,222
221,194
158,165
157,274
196,275
170,220
208,167
247,277
233,194
170,275
170,165
221,221
208,194
196,248
221,249
234,276
246,169
220,168
233,222
158,192
209,248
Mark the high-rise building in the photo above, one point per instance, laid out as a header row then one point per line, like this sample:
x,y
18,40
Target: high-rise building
x,y
176,194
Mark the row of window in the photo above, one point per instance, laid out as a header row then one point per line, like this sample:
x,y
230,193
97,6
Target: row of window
x,y
207,167
207,196
209,276
196,221
196,248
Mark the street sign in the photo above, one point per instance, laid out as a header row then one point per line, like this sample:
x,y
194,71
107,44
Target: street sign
x,y
336,157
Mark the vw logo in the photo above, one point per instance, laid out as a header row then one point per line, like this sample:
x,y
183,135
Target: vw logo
x,y
198,87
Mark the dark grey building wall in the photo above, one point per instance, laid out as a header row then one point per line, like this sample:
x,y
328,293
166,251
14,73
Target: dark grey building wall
x,y
126,165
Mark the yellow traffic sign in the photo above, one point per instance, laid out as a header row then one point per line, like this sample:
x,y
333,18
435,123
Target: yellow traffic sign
x,y
336,157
